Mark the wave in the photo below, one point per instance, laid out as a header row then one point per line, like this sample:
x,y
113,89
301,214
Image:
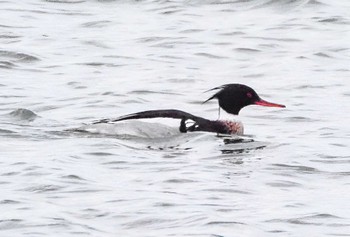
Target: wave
x,y
23,114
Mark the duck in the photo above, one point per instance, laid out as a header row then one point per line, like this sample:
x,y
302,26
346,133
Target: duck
x,y
231,98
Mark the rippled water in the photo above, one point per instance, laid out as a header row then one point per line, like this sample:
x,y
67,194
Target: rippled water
x,y
66,63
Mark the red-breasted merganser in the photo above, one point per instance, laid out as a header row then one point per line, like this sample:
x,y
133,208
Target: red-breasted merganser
x,y
232,98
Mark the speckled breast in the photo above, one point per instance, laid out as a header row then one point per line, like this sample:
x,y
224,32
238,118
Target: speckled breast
x,y
234,127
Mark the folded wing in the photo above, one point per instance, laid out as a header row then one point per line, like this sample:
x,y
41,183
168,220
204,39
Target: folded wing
x,y
165,113
198,123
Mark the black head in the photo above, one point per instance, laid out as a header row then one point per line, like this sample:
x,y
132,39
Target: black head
x,y
233,97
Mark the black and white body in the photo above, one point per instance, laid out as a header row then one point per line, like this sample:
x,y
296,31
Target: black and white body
x,y
232,98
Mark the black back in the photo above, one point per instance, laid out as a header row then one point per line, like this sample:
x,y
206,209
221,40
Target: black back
x,y
200,124
161,113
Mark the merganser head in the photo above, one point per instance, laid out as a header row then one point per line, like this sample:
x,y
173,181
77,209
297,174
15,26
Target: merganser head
x,y
233,97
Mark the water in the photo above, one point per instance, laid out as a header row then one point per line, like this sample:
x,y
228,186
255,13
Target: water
x,y
66,63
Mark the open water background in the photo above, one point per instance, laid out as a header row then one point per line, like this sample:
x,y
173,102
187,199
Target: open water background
x,y
66,63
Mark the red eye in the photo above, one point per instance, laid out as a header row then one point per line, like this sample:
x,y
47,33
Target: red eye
x,y
249,95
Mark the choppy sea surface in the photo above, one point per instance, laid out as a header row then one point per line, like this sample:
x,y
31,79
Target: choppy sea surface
x,y
66,63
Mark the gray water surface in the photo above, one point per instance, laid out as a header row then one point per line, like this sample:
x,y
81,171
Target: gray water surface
x,y
64,64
